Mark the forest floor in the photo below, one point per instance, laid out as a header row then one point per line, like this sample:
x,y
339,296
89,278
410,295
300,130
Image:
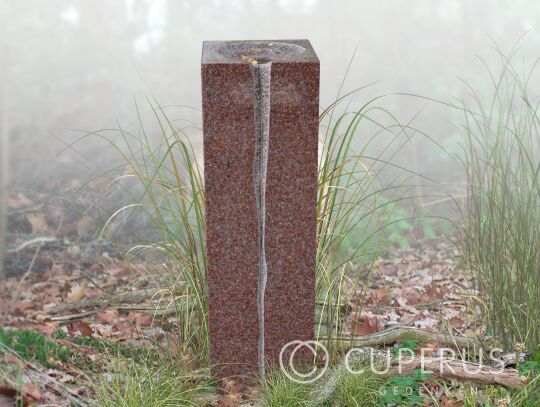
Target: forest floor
x,y
88,301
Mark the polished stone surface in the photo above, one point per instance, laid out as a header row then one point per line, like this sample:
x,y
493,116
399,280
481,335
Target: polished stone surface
x,y
291,193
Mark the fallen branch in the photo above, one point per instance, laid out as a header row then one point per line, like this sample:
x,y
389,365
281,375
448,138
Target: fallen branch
x,y
446,368
404,333
128,296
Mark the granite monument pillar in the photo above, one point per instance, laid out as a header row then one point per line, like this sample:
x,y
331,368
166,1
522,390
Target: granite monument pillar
x,y
260,120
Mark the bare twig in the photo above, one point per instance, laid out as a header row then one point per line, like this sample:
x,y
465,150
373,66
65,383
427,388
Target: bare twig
x,y
155,311
32,242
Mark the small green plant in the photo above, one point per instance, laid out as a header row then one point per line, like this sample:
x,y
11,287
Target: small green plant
x,y
531,365
359,388
428,226
33,346
133,384
409,344
398,227
404,390
279,391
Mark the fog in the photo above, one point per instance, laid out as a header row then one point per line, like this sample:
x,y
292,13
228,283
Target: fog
x,y
74,66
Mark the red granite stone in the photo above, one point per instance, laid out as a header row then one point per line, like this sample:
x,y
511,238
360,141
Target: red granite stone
x,y
231,215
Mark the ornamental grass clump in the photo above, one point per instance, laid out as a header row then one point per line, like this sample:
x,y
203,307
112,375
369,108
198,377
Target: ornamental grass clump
x,y
500,240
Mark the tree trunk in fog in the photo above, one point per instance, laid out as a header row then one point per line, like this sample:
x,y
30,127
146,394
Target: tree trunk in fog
x,y
4,165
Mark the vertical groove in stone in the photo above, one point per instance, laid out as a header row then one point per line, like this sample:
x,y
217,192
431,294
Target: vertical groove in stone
x,y
261,74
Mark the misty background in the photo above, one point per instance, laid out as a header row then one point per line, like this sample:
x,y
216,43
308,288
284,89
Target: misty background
x,y
70,67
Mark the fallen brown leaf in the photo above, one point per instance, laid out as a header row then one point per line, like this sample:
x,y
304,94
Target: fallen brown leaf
x,y
229,400
232,386
456,322
47,328
450,402
80,328
107,316
38,222
368,323
429,348
76,293
142,318
32,393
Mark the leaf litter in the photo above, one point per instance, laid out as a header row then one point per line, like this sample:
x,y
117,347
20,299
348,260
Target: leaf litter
x,y
423,287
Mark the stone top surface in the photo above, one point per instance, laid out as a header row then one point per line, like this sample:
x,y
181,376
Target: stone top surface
x,y
237,52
